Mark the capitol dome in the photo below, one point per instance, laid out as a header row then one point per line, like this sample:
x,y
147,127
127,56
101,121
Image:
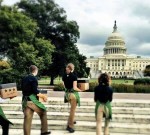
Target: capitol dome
x,y
115,43
115,36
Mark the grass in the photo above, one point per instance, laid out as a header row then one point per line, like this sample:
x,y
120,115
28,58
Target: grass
x,y
123,81
46,81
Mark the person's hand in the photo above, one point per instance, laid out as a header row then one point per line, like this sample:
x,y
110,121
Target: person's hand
x,y
44,97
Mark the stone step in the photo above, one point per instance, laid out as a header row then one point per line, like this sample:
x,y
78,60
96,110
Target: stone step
x,y
125,118
61,132
87,109
46,87
86,94
88,126
90,102
129,116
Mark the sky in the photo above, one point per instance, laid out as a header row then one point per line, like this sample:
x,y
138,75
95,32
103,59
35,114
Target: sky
x,y
96,20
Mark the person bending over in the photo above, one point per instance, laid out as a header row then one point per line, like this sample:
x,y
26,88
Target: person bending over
x,y
31,104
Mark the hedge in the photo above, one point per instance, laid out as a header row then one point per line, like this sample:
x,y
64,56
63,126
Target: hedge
x,y
118,88
144,81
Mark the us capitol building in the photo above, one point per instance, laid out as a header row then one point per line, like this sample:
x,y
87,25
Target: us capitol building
x,y
115,61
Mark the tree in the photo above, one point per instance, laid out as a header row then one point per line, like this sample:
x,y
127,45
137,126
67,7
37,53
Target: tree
x,y
53,25
4,65
147,71
19,43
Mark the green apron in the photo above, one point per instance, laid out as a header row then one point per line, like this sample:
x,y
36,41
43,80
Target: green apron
x,y
3,115
106,105
34,100
77,96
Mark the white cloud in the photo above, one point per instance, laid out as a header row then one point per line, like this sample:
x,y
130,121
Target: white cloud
x,y
96,19
10,2
89,50
145,47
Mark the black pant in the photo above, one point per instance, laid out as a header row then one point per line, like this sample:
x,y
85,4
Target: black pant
x,y
5,126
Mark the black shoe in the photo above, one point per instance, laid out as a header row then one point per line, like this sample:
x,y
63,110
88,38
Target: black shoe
x,y
71,130
75,122
46,133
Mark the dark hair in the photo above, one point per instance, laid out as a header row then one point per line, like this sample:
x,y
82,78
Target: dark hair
x,y
32,68
103,79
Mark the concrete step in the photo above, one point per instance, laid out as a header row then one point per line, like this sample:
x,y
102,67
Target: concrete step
x,y
125,118
88,126
81,109
129,116
90,102
61,132
86,94
46,87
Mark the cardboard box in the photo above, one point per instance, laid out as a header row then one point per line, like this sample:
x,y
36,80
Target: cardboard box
x,y
8,90
83,83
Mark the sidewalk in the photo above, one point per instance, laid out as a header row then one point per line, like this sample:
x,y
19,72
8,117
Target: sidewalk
x,y
132,96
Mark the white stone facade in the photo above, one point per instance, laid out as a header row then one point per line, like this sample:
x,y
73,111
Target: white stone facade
x,y
115,61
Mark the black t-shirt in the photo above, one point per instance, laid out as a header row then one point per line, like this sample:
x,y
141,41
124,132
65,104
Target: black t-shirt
x,y
103,93
68,80
29,85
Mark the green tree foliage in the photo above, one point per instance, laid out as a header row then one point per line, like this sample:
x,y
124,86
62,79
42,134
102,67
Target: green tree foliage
x,y
18,41
147,71
4,65
54,26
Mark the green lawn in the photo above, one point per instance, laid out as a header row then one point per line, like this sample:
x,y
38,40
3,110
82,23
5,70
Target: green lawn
x,y
116,81
123,81
46,81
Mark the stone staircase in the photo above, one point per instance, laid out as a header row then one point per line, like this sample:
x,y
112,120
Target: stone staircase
x,y
130,117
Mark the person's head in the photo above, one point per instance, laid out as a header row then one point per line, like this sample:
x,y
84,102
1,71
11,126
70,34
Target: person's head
x,y
104,79
33,70
69,68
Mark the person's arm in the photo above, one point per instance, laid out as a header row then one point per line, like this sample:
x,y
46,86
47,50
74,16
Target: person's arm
x,y
63,82
111,95
95,95
64,88
75,86
35,86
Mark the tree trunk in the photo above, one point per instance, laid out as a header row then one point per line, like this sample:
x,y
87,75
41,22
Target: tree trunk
x,y
52,80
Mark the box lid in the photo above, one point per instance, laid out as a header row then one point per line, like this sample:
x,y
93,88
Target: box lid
x,y
83,80
7,85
